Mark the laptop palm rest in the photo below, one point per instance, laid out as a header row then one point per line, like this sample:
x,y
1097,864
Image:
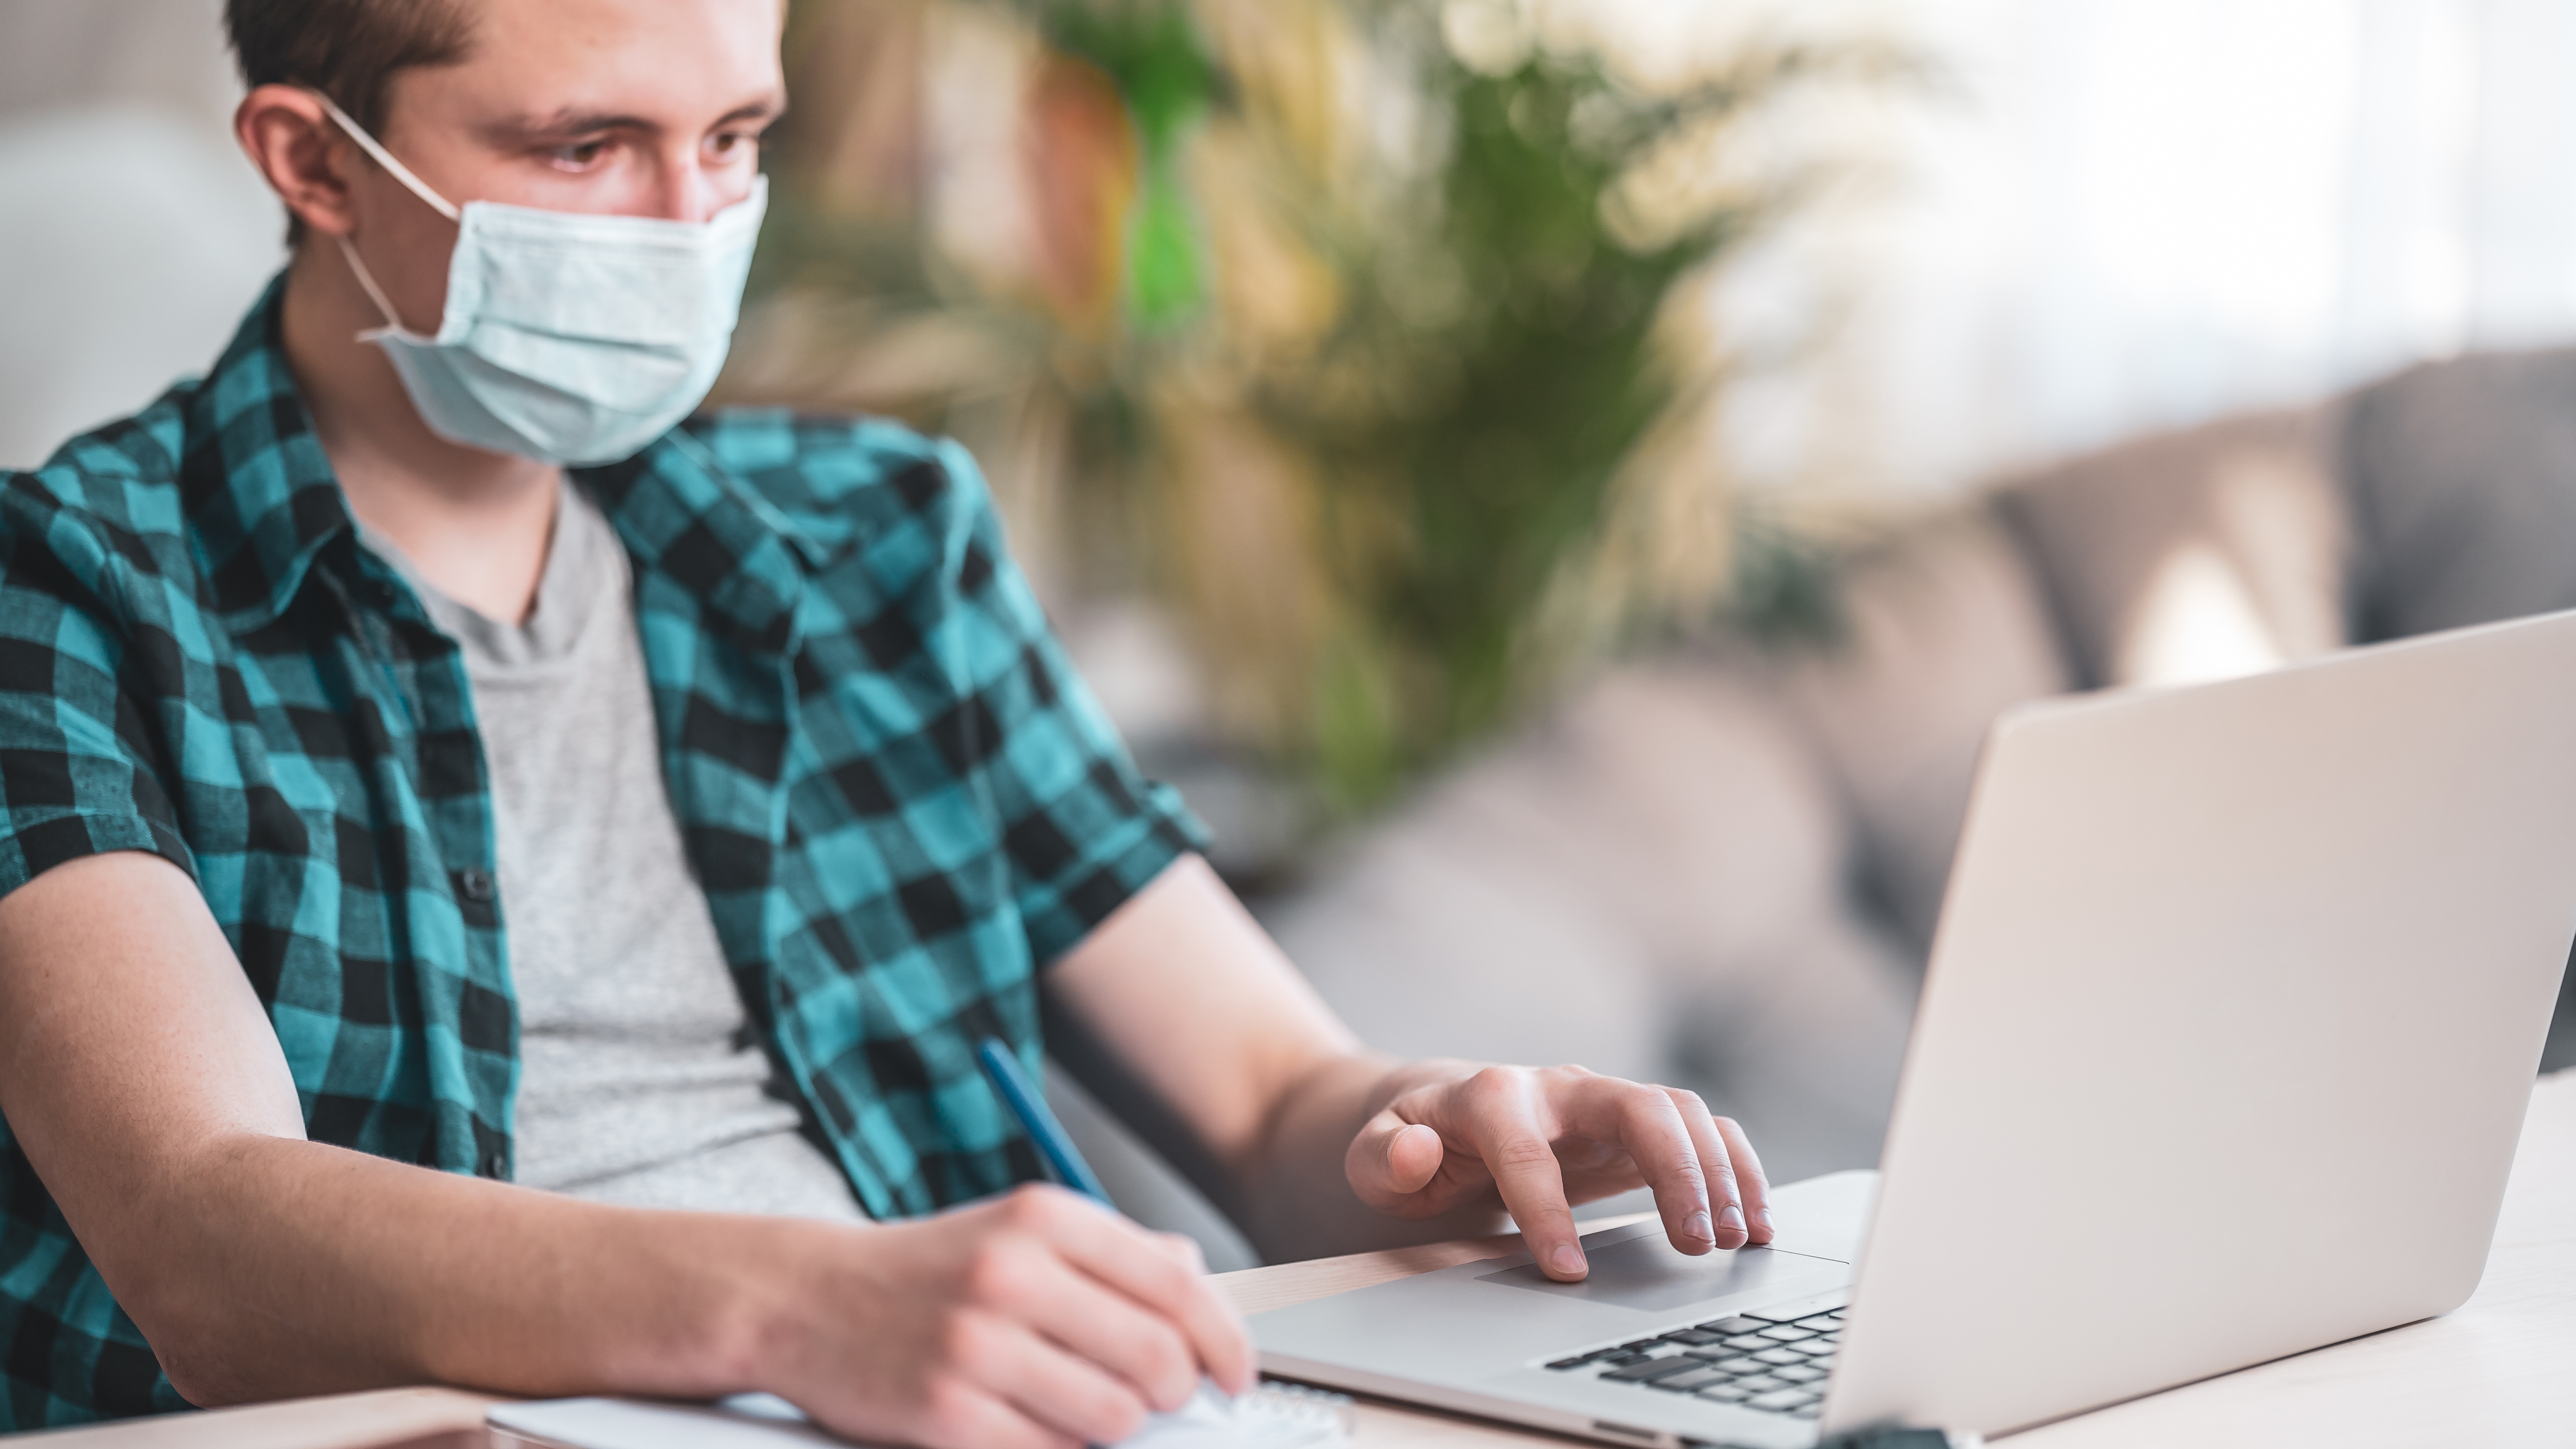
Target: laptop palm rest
x,y
1476,1337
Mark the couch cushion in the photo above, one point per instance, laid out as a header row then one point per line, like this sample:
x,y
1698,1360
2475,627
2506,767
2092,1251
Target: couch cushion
x,y
1944,629
1649,881
2463,484
2192,555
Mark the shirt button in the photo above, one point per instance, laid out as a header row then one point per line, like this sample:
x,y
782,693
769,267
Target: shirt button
x,y
474,885
491,1162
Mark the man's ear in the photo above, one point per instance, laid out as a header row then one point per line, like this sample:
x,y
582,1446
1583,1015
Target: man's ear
x,y
302,152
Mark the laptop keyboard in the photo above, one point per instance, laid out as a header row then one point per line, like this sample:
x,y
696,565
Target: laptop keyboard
x,y
1775,1359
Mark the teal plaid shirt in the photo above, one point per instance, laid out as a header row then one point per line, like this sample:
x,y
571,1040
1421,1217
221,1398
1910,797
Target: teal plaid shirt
x,y
898,797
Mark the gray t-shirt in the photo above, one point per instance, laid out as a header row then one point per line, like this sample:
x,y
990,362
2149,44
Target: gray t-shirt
x,y
641,1079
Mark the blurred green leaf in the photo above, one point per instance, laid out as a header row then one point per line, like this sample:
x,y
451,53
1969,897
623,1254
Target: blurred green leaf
x,y
1163,255
1493,352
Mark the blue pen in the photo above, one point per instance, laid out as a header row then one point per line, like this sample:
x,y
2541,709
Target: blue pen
x,y
1022,1097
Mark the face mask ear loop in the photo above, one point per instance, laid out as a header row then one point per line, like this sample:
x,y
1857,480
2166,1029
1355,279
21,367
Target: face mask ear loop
x,y
401,173
375,294
385,158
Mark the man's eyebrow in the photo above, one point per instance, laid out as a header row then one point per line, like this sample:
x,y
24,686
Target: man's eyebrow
x,y
572,122
767,108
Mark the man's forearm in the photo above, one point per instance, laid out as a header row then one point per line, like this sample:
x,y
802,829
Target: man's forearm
x,y
143,1079
1183,990
1294,1197
281,1267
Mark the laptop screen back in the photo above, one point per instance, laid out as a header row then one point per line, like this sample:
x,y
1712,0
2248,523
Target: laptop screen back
x,y
2232,1016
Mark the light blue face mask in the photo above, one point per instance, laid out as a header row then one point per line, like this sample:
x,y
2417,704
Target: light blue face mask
x,y
568,338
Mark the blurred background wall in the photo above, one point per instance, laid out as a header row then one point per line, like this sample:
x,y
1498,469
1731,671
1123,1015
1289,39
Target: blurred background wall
x,y
2116,215
2147,213
2018,230
2100,218
132,233
1564,486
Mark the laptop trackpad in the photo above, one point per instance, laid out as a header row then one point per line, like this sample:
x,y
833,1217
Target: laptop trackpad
x,y
1646,1273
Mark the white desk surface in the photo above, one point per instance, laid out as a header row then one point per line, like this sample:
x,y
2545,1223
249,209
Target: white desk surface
x,y
2499,1372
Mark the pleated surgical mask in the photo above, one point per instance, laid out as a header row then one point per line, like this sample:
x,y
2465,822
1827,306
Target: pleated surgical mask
x,y
568,337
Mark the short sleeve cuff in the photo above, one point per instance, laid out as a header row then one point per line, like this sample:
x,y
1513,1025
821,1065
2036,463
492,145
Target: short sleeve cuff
x,y
1144,846
36,844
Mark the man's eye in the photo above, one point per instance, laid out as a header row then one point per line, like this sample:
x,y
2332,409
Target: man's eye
x,y
580,156
727,143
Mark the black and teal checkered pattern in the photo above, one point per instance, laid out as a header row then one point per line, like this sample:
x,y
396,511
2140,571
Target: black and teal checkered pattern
x,y
898,797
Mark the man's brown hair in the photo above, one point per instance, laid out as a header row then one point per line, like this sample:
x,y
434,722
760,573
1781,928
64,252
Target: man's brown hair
x,y
349,50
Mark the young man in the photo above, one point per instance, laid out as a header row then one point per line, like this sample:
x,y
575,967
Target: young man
x,y
419,615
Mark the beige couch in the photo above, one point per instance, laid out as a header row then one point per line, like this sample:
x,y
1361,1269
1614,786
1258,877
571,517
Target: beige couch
x,y
1721,868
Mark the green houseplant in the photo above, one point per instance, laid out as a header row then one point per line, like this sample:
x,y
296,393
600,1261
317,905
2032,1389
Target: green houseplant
x,y
1367,335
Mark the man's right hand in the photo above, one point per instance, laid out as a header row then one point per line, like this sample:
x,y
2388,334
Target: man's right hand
x,y
1038,1318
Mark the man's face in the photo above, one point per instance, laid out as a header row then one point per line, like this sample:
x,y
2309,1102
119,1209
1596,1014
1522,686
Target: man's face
x,y
620,107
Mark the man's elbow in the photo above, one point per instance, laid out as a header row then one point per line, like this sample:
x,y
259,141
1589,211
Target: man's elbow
x,y
205,1357
198,1373
187,1267
215,1359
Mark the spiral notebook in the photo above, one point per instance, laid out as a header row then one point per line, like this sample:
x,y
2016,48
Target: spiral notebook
x,y
1273,1416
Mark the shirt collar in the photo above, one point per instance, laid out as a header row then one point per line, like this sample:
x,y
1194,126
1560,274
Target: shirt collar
x,y
683,514
258,489
263,502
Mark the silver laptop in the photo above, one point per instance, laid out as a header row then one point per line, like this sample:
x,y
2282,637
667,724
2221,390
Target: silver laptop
x,y
2233,1014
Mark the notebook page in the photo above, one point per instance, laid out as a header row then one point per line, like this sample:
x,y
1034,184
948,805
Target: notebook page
x,y
1274,1416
